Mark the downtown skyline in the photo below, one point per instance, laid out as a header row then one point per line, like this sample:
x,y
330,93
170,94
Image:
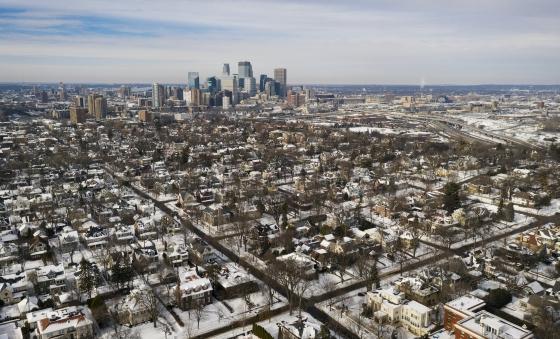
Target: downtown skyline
x,y
328,42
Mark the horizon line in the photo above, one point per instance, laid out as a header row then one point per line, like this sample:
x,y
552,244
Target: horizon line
x,y
296,84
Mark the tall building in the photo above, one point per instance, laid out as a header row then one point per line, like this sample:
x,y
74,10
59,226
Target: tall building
x,y
124,91
100,108
77,114
230,84
245,69
226,101
91,102
281,77
196,97
62,91
178,93
225,70
262,82
194,80
270,88
80,101
213,85
250,86
295,99
309,94
158,95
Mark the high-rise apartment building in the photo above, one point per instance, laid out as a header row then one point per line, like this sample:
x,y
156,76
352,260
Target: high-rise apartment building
x,y
100,108
91,103
80,101
194,80
77,114
281,77
295,99
158,95
245,69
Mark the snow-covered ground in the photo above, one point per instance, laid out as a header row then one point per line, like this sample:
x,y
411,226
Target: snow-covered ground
x,y
524,128
271,325
217,314
549,210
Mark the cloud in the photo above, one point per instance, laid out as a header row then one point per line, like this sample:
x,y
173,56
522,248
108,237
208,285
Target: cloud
x,y
327,41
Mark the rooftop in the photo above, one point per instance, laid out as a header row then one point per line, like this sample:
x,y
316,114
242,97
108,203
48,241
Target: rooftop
x,y
487,324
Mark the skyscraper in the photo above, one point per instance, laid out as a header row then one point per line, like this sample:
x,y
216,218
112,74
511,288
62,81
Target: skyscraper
x,y
80,101
194,81
245,69
213,86
280,76
158,95
100,108
229,84
262,82
178,93
270,87
225,70
91,103
250,86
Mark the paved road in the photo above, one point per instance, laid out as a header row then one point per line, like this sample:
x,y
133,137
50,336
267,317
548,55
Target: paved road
x,y
310,303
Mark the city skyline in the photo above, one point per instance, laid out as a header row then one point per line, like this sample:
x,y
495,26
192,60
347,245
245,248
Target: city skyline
x,y
332,42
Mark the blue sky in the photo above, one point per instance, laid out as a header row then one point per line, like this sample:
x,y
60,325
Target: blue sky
x,y
319,41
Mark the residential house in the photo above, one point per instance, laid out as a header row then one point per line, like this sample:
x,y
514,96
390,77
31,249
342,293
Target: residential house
x,y
193,289
391,304
483,325
461,308
66,323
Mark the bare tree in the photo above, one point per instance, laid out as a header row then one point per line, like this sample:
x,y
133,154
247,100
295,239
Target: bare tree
x,y
150,301
416,231
328,286
381,328
289,274
301,288
199,313
545,316
123,332
242,229
342,261
446,236
268,294
397,251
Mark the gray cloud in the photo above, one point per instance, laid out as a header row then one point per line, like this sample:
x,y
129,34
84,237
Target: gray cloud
x,y
397,41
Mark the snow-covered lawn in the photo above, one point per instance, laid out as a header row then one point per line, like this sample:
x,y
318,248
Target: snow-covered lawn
x,y
549,210
271,325
217,314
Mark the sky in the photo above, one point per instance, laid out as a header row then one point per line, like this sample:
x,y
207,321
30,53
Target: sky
x,y
318,41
